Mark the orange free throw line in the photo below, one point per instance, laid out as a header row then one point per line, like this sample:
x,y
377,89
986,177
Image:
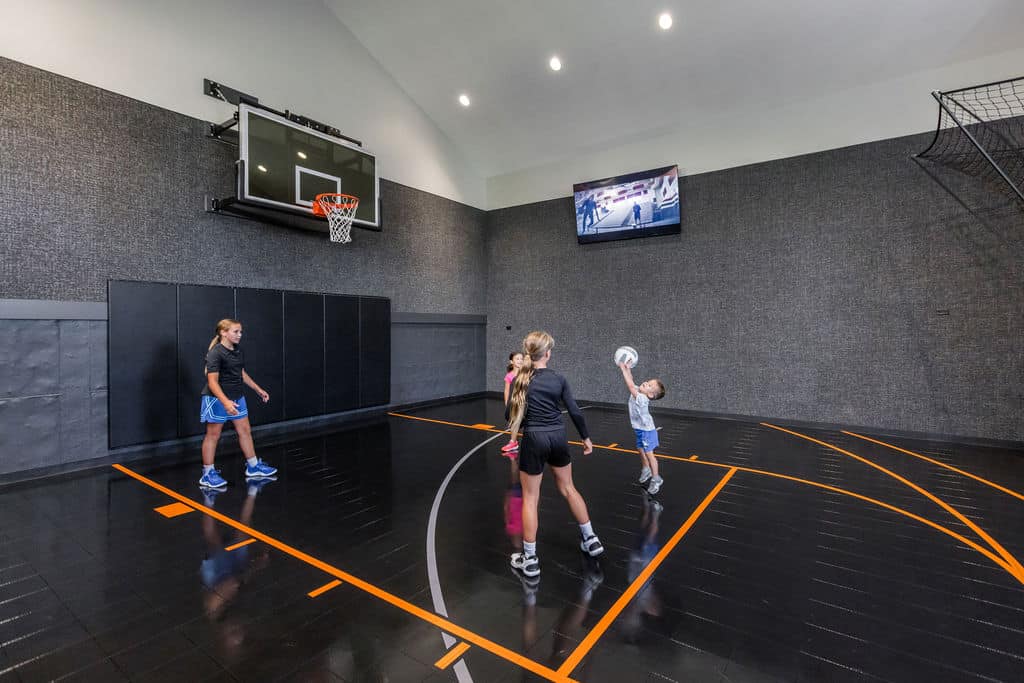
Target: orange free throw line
x,y
452,655
324,588
936,462
440,622
239,545
1017,569
591,639
1000,562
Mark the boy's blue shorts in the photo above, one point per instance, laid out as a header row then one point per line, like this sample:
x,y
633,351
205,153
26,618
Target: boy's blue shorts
x,y
646,441
212,410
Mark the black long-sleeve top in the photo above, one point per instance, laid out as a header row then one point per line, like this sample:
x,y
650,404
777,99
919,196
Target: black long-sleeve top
x,y
546,392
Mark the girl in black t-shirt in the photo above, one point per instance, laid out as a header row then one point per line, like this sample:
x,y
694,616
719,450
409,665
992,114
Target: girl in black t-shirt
x,y
535,405
223,401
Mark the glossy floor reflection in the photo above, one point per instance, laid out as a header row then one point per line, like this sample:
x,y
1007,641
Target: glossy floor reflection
x,y
792,555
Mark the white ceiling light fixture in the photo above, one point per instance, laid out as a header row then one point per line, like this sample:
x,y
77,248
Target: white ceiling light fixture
x,y
665,21
555,63
464,100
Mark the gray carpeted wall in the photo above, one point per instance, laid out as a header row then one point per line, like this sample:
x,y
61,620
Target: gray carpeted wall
x,y
855,286
97,186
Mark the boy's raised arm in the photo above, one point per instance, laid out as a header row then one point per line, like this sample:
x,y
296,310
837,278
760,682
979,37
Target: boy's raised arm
x,y
627,375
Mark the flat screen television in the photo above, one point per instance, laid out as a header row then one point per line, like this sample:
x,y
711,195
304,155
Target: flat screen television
x,y
635,205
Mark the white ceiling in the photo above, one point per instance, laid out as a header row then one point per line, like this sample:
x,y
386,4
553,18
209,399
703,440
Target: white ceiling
x,y
624,79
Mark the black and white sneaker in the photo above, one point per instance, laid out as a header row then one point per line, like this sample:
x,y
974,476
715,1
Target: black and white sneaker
x,y
591,545
529,565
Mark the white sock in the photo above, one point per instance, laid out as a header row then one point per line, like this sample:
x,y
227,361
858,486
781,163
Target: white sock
x,y
586,530
207,469
529,548
252,461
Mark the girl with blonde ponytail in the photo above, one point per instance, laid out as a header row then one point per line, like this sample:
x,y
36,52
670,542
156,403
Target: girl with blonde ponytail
x,y
534,406
223,400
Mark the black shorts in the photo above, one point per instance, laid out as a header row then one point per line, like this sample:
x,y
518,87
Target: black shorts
x,y
538,448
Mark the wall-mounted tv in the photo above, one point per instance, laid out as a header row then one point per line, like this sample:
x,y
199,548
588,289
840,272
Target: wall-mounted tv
x,y
634,205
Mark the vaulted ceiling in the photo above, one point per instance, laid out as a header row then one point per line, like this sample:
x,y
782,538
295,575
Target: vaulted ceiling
x,y
624,78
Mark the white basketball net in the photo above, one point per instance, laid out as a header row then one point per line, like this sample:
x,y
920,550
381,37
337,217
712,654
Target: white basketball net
x,y
340,210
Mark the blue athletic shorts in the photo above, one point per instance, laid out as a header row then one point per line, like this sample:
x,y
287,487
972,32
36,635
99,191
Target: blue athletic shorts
x,y
212,410
646,441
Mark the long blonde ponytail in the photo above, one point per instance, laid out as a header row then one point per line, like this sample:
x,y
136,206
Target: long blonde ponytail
x,y
535,345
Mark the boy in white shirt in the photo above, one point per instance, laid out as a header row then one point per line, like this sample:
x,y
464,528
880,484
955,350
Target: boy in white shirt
x,y
643,424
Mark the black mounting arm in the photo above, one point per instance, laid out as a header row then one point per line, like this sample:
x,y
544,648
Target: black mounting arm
x,y
236,97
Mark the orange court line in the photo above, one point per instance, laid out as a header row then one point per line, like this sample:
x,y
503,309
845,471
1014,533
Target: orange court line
x,y
239,545
936,462
1000,562
591,639
323,589
452,655
442,422
174,510
404,605
481,425
612,445
1014,566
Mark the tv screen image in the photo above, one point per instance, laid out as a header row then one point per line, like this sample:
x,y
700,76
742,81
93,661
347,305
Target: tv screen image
x,y
635,205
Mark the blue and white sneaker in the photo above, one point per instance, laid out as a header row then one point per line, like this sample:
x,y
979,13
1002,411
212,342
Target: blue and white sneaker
x,y
260,469
212,480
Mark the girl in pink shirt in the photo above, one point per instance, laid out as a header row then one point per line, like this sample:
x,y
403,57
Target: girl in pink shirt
x,y
515,361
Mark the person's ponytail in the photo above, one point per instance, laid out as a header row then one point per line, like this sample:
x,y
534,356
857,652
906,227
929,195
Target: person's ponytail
x,y
535,345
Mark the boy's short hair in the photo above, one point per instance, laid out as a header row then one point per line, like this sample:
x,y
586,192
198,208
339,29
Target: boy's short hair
x,y
661,389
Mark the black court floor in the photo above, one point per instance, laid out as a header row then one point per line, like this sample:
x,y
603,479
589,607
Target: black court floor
x,y
380,553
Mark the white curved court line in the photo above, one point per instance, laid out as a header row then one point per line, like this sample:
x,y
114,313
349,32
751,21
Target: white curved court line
x,y
461,672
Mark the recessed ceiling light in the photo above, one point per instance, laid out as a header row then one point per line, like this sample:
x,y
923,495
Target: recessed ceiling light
x,y
555,63
302,155
464,100
665,21
262,168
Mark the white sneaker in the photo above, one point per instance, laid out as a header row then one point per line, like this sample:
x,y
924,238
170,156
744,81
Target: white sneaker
x,y
591,545
655,485
645,475
529,565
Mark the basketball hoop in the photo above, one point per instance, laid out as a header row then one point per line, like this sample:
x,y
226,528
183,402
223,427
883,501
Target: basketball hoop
x,y
339,209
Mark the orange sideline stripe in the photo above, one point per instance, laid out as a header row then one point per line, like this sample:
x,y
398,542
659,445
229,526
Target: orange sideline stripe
x,y
613,445
936,462
324,588
452,655
406,606
239,545
481,425
1013,566
591,639
974,546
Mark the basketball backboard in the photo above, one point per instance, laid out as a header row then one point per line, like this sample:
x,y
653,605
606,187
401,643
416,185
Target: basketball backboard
x,y
286,165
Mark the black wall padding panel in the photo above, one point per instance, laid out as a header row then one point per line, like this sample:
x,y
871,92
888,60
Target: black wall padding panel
x,y
341,358
314,354
199,310
142,354
303,354
259,311
374,351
